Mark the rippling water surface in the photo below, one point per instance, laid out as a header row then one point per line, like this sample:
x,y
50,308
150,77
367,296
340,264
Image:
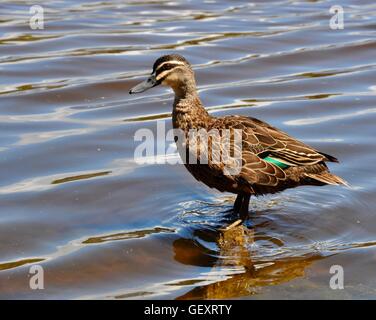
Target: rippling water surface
x,y
73,200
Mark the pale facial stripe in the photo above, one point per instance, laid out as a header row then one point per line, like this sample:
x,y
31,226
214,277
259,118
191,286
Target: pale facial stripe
x,y
164,73
180,63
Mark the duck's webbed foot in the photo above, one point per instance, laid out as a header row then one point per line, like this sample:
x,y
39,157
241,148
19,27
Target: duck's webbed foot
x,y
231,225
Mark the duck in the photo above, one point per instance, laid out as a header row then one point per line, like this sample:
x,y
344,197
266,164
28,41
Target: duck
x,y
269,161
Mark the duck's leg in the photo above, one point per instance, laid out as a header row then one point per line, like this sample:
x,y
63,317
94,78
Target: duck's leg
x,y
241,206
244,209
238,203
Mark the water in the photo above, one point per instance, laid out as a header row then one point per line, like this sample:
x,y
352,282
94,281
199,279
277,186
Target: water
x,y
74,202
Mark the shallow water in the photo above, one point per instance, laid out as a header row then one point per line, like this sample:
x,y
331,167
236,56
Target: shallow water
x,y
74,201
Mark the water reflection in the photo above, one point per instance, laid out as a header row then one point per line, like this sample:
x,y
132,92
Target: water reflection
x,y
243,275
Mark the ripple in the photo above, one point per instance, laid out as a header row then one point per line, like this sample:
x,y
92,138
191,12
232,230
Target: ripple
x,y
81,177
76,245
127,235
309,121
18,263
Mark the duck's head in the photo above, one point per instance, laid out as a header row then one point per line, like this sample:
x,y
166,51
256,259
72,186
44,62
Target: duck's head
x,y
171,70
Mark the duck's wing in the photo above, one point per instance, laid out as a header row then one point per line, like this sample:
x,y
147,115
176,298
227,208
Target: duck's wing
x,y
265,140
254,169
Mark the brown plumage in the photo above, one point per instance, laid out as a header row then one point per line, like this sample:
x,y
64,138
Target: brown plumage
x,y
271,160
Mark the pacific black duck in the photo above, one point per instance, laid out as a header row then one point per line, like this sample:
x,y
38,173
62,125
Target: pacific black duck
x,y
271,160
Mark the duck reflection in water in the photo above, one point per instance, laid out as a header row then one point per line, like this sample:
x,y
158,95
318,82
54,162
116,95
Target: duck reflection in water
x,y
245,275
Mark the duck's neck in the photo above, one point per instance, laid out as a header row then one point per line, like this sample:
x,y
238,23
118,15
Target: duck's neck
x,y
188,111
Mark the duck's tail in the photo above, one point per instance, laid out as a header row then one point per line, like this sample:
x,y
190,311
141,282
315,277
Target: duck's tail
x,y
327,178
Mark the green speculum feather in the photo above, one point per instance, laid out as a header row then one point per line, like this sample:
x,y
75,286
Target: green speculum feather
x,y
276,162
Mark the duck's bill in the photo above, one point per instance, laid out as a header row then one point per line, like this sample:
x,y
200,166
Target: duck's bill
x,y
145,85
